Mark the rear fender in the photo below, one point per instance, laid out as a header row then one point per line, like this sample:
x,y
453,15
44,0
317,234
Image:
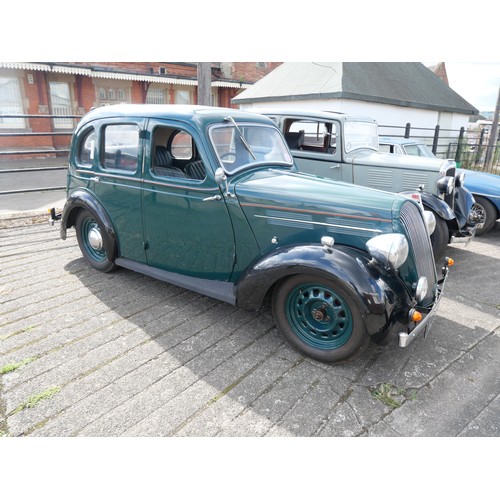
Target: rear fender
x,y
82,199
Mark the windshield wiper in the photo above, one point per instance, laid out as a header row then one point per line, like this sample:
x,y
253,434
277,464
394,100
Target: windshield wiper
x,y
230,118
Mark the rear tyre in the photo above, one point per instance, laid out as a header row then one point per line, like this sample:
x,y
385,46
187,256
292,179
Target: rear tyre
x,y
440,237
485,212
319,317
92,240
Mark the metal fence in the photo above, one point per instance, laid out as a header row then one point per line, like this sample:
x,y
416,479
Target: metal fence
x,y
468,147
68,121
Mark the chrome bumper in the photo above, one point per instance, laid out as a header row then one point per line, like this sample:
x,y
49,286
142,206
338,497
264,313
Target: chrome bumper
x,y
405,338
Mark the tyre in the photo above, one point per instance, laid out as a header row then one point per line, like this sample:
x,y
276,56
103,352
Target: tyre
x,y
440,237
485,212
319,317
92,241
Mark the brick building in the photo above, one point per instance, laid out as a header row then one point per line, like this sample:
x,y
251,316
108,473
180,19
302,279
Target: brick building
x,y
71,89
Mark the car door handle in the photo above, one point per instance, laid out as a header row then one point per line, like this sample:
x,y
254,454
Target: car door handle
x,y
334,166
95,179
217,197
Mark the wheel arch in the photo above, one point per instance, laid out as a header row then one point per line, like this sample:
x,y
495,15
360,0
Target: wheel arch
x,y
378,293
84,200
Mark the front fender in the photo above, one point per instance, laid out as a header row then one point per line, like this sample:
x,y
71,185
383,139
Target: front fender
x,y
436,204
381,296
82,199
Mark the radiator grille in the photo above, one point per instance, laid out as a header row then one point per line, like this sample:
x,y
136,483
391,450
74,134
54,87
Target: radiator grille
x,y
413,222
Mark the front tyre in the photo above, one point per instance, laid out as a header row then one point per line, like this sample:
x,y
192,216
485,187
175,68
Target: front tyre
x,y
484,212
440,237
319,317
92,241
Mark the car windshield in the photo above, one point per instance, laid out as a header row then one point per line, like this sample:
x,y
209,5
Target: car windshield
x,y
418,150
359,135
247,145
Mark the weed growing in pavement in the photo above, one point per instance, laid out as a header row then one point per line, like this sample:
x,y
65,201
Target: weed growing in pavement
x,y
14,366
392,396
34,400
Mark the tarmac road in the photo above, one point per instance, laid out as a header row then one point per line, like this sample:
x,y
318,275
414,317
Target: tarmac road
x,y
89,354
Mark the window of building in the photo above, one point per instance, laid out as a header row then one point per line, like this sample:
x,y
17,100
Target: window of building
x,y
11,102
182,97
60,100
121,147
155,95
111,93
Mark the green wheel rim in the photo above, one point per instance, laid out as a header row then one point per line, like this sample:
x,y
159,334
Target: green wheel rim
x,y
318,316
90,227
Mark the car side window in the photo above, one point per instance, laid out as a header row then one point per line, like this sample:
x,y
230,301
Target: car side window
x,y
311,135
121,147
86,149
174,154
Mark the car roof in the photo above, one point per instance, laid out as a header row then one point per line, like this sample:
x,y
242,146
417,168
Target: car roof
x,y
308,113
204,115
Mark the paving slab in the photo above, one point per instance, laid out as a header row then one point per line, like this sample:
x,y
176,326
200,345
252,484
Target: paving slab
x,y
84,353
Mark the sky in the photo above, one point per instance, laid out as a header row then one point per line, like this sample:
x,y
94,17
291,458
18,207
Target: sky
x,y
477,82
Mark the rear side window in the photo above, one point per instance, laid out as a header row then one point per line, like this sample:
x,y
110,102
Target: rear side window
x,y
121,147
86,149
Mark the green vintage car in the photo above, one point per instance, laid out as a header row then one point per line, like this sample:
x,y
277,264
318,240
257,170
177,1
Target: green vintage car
x,y
209,199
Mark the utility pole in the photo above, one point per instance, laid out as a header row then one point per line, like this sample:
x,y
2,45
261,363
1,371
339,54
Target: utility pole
x,y
492,141
204,83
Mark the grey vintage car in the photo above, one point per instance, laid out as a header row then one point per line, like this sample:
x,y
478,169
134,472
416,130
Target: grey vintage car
x,y
345,148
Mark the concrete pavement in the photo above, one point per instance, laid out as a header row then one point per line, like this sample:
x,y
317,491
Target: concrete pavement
x,y
89,354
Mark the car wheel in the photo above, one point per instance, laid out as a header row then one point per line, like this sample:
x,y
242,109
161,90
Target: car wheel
x,y
440,237
91,239
484,211
320,318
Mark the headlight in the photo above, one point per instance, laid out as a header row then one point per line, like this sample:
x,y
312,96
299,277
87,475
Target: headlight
x,y
391,250
421,289
459,179
430,221
446,184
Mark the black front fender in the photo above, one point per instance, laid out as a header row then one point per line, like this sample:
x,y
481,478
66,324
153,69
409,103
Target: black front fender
x,y
437,205
381,296
82,199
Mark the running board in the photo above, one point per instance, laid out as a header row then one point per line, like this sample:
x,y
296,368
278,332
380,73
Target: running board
x,y
220,290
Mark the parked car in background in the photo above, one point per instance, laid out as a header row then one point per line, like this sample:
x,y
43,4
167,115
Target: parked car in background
x,y
209,199
345,148
484,186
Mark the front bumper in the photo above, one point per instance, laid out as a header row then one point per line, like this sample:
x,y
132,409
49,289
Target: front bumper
x,y
405,338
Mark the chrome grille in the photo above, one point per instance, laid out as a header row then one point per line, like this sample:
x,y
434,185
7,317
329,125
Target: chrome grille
x,y
414,224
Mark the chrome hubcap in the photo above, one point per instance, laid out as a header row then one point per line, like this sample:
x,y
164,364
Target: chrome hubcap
x,y
95,239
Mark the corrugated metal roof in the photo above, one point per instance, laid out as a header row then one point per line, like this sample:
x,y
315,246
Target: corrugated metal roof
x,y
397,83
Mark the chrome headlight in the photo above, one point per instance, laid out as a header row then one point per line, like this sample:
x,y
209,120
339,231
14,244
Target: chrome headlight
x,y
446,184
421,289
430,221
391,250
459,179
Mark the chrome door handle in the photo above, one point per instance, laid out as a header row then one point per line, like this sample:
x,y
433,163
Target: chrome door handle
x,y
95,179
217,197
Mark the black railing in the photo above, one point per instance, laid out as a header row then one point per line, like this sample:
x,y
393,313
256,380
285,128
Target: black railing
x,y
469,148
51,151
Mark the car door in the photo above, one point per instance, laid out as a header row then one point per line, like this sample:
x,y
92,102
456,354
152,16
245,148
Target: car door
x,y
186,223
313,144
117,182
